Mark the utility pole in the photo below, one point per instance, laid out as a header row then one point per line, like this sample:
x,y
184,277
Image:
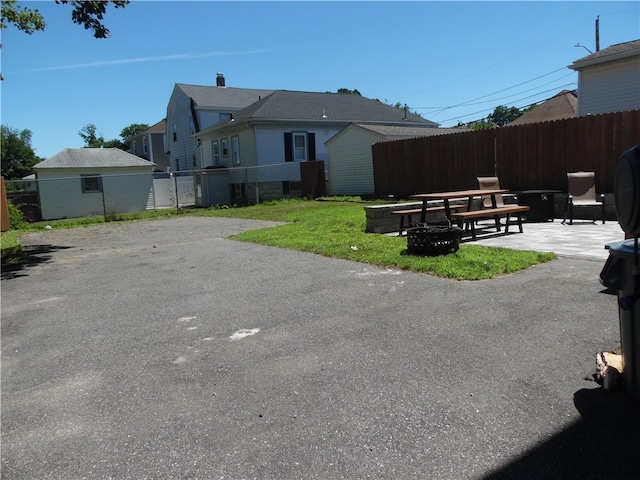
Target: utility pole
x,y
597,33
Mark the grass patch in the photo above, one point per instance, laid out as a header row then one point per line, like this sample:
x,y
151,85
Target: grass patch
x,y
336,229
333,228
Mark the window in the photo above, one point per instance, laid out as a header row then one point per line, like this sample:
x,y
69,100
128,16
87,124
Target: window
x,y
145,149
235,149
215,153
175,131
91,183
224,146
133,147
193,160
299,146
237,191
225,116
192,126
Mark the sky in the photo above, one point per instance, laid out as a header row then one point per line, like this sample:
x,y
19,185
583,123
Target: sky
x,y
448,61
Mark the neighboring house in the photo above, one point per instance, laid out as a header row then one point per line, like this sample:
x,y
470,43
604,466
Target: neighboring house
x,y
150,145
609,79
262,145
559,107
80,182
192,108
349,152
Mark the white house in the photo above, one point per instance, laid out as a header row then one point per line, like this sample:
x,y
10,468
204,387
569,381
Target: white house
x,y
349,152
262,144
193,108
81,182
609,79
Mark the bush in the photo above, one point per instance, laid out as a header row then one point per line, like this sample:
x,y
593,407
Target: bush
x,y
16,217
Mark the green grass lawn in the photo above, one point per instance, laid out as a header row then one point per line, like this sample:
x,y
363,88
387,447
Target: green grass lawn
x,y
336,229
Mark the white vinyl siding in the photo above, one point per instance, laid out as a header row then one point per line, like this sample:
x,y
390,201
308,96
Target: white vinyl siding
x,y
351,171
609,87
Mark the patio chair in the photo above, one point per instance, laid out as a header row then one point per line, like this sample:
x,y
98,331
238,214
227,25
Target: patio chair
x,y
582,193
490,183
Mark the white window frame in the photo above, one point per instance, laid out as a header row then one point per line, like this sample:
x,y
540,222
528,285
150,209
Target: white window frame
x,y
235,149
145,147
215,153
224,147
300,153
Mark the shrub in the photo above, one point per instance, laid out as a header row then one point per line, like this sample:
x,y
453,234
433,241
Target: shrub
x,y
17,218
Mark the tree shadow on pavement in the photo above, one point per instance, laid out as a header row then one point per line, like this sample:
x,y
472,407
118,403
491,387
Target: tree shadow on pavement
x,y
33,255
603,444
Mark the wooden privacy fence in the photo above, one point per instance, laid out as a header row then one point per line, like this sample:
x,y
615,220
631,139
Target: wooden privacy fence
x,y
524,157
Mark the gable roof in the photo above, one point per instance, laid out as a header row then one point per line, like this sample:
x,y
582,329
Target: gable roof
x,y
222,97
560,106
294,106
397,132
160,127
619,51
93,158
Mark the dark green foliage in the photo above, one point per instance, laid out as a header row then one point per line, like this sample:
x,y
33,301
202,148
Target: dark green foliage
x,y
18,157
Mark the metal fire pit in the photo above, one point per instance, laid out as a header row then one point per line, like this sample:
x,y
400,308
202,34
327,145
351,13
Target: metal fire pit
x,y
433,241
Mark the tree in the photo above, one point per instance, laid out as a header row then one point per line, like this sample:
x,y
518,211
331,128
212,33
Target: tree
x,y
89,134
18,157
501,116
89,14
133,129
349,92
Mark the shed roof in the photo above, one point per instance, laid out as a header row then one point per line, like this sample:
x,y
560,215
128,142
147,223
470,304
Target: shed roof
x,y
393,132
93,158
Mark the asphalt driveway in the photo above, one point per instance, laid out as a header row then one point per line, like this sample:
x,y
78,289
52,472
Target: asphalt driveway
x,y
163,350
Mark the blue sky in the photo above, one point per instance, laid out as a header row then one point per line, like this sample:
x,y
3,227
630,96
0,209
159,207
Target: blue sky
x,y
449,61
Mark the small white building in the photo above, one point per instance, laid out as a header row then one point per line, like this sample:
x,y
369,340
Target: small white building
x,y
81,182
349,152
609,79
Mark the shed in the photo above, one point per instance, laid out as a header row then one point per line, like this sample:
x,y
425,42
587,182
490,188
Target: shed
x,y
349,153
81,182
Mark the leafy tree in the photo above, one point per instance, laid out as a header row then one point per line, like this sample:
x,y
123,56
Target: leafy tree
x,y
88,134
89,14
502,115
92,139
18,157
349,92
132,130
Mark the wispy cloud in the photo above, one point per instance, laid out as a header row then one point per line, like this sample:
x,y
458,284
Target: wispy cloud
x,y
125,61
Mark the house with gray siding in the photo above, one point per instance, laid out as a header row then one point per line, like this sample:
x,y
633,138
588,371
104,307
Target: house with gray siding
x,y
609,79
149,145
261,146
81,182
193,108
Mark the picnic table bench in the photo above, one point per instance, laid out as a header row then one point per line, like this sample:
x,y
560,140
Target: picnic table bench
x,y
469,218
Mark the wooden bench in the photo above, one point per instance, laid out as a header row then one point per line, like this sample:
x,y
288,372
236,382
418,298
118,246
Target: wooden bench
x,y
418,211
470,217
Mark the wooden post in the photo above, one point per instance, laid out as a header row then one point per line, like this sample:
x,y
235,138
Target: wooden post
x,y
4,208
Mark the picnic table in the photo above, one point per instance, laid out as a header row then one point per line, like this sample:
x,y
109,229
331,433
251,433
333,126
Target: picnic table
x,y
470,216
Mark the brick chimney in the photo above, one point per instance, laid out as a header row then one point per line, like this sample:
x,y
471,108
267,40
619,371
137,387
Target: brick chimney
x,y
220,80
